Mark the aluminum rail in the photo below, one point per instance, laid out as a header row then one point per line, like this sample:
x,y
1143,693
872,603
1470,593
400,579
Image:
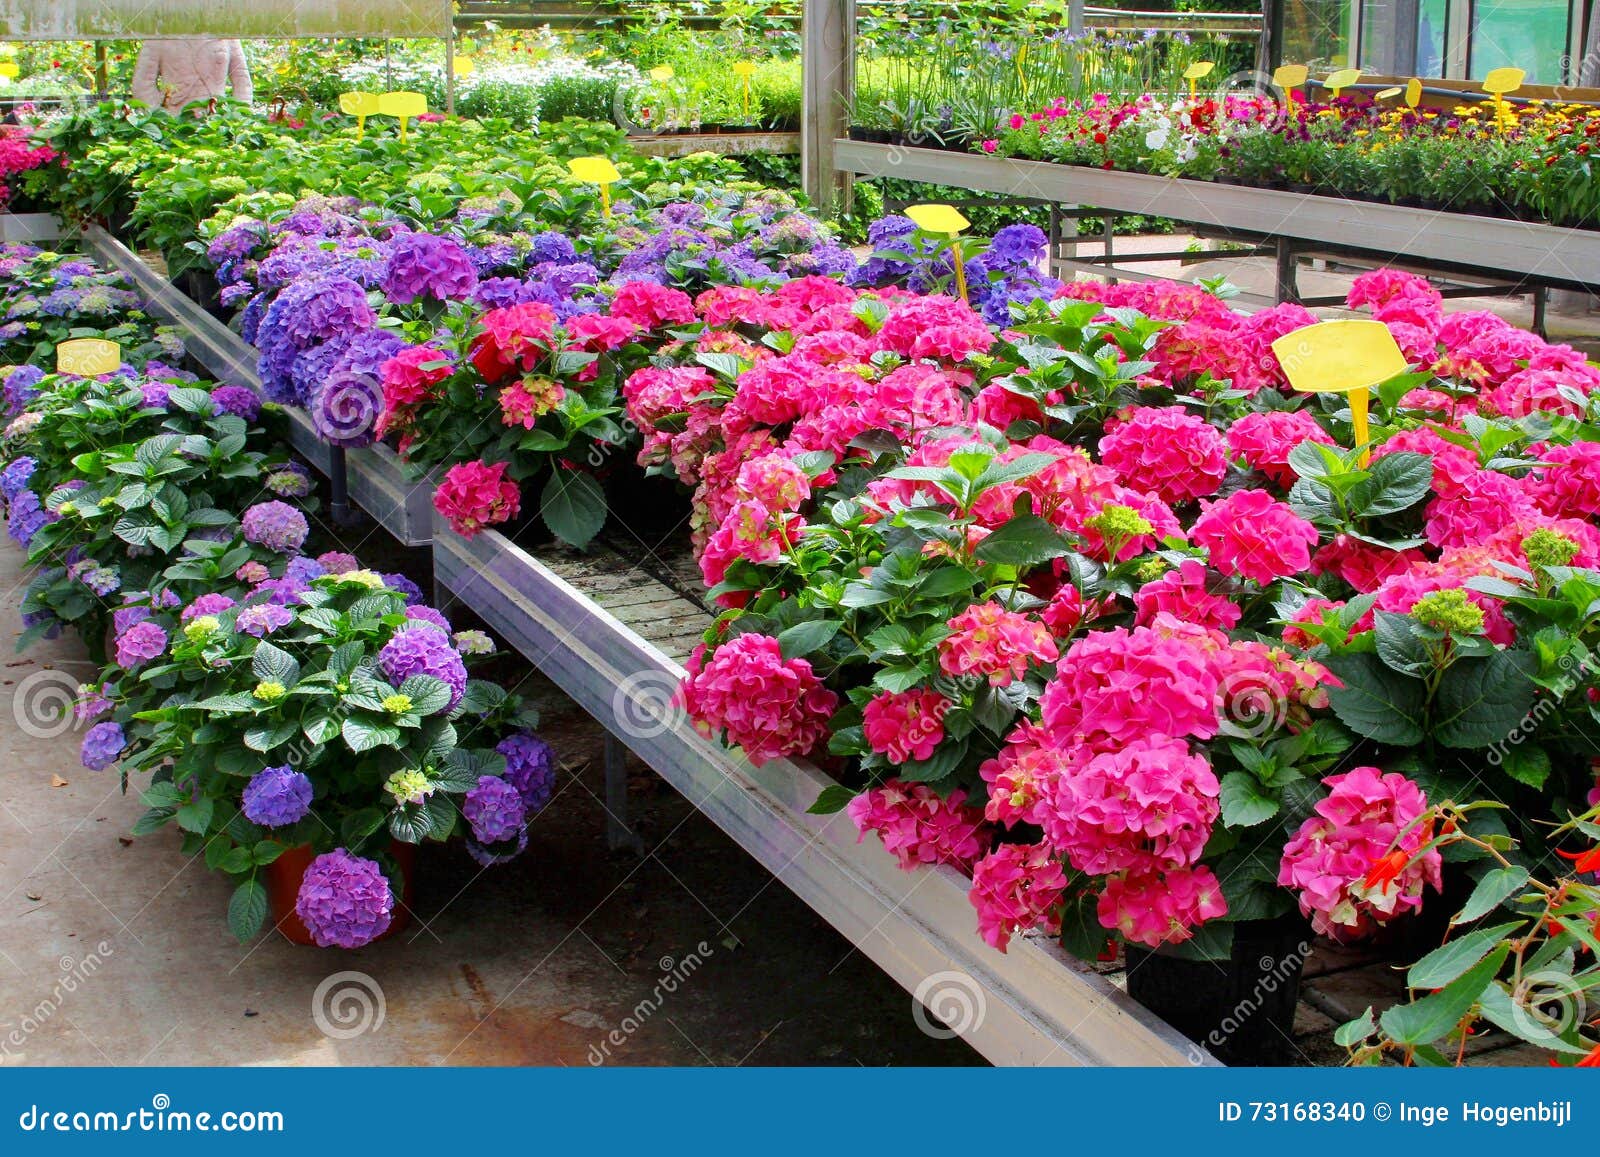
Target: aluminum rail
x,y
1547,254
1033,1005
378,483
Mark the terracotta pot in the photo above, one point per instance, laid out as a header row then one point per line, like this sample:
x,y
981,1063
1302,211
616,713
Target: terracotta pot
x,y
283,878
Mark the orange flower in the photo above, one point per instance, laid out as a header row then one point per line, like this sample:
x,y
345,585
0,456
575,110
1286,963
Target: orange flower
x,y
1387,870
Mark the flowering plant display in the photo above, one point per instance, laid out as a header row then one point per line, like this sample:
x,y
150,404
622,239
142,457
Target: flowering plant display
x,y
1100,613
277,700
517,340
1532,160
172,466
47,297
342,717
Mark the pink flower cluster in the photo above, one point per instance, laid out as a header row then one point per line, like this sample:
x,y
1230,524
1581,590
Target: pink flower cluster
x,y
764,703
906,725
1166,451
1016,888
477,495
918,826
988,640
1336,860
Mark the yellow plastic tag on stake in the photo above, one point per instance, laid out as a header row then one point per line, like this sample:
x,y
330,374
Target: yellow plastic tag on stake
x,y
360,105
1342,357
1387,94
1197,71
9,69
938,218
1413,92
1290,77
597,171
662,73
88,357
463,65
744,70
1342,79
1499,82
402,106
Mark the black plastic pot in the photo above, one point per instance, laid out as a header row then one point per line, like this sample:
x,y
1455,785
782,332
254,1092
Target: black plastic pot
x,y
1242,1009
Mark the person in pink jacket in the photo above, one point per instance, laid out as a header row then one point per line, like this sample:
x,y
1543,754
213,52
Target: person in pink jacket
x,y
174,73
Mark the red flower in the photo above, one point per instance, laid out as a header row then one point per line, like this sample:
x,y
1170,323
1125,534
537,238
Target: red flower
x,y
1583,862
1591,1059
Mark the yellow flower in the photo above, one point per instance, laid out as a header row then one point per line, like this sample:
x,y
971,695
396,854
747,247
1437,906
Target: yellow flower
x,y
202,628
365,578
397,704
408,786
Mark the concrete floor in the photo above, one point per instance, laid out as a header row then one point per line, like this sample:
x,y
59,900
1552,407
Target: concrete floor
x,y
114,950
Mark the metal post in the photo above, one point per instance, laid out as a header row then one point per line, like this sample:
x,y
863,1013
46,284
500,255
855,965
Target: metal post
x,y
1286,288
1541,298
338,487
828,60
449,59
619,833
1108,226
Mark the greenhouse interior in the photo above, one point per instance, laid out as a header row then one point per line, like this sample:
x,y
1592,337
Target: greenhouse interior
x,y
837,533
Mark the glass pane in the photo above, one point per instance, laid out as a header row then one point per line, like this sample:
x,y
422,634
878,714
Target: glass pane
x,y
1431,25
1317,32
1526,34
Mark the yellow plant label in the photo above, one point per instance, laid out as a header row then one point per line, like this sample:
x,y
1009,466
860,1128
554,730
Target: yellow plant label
x,y
88,357
1199,70
1290,75
1388,93
662,73
1341,357
463,65
358,104
1413,92
744,68
402,105
1342,79
9,69
938,218
1503,80
595,170
1336,357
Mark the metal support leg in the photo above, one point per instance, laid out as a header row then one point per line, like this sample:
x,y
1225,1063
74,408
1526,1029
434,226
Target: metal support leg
x,y
1541,300
339,487
619,833
1287,290
1109,225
